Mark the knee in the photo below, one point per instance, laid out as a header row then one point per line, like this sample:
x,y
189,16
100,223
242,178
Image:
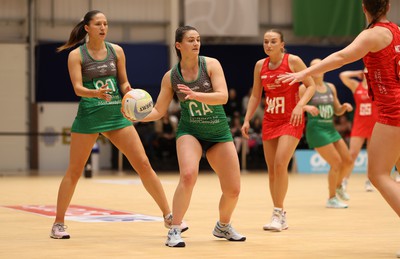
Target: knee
x,y
233,192
337,165
353,156
143,167
74,173
348,161
271,175
188,178
280,167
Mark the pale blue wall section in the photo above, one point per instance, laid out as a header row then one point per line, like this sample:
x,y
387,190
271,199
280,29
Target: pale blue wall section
x,y
310,162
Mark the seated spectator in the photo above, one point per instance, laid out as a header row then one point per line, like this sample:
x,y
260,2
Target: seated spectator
x,y
255,135
147,135
260,109
233,105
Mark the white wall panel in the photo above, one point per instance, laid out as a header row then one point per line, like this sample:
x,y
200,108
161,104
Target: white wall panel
x,y
69,10
13,9
223,18
275,12
137,15
126,18
134,10
394,13
54,150
13,20
14,107
281,12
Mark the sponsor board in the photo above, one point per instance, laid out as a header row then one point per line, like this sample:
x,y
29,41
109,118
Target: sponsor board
x,y
310,162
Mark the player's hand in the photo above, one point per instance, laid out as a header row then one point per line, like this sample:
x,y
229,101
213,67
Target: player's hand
x,y
190,95
348,107
292,78
297,116
126,117
102,93
311,110
245,129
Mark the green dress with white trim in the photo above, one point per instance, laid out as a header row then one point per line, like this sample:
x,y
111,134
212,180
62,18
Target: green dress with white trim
x,y
96,115
203,121
320,130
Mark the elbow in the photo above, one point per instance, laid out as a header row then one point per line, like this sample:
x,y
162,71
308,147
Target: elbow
x,y
224,98
80,91
77,92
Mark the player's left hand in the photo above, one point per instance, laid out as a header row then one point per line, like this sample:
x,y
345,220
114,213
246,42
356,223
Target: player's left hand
x,y
190,94
297,116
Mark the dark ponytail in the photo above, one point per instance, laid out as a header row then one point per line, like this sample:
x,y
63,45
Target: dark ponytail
x,y
376,8
78,33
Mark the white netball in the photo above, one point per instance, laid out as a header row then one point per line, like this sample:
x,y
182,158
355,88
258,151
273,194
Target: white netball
x,y
137,104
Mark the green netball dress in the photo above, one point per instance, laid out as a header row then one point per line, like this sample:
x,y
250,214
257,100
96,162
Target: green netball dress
x,y
203,121
320,130
96,115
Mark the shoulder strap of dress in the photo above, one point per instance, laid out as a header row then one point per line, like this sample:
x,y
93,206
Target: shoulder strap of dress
x,y
111,48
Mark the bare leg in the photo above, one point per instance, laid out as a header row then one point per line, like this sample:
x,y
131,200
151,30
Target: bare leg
x,y
81,146
128,142
285,147
228,171
189,154
356,144
384,153
269,148
332,157
347,162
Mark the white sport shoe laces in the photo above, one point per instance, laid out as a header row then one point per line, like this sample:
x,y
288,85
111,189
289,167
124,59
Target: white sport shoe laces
x,y
174,238
227,232
278,221
335,203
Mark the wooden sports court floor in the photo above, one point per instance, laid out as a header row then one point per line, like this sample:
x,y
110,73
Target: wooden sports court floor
x,y
367,229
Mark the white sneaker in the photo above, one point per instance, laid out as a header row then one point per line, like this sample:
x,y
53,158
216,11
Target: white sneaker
x,y
174,238
284,221
168,223
335,203
58,231
341,192
368,186
227,232
278,221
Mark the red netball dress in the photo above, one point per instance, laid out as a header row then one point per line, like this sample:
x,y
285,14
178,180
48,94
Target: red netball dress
x,y
365,114
383,78
281,99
